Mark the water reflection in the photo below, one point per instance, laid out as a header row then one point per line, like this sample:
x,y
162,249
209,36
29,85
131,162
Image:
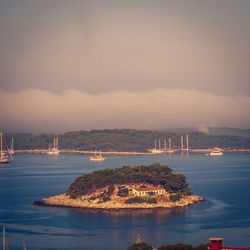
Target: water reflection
x,y
158,214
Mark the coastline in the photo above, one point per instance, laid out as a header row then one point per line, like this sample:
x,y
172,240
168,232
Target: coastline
x,y
128,153
64,200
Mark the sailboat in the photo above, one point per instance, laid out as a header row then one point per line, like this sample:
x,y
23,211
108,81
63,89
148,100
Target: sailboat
x,y
216,152
168,150
54,150
5,156
97,157
156,150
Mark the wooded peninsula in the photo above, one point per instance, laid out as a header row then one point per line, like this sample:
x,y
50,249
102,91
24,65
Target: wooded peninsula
x,y
133,140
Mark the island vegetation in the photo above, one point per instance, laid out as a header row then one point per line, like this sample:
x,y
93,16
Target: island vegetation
x,y
127,187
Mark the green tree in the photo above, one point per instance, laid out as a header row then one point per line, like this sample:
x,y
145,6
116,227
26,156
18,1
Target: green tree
x,y
140,246
201,247
178,246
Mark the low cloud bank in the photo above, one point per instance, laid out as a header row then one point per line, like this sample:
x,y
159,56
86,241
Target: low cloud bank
x,y
43,111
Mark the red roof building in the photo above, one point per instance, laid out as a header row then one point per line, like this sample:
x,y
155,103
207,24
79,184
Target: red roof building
x,y
216,244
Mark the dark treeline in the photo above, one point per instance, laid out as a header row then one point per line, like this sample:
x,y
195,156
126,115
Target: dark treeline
x,y
179,246
132,140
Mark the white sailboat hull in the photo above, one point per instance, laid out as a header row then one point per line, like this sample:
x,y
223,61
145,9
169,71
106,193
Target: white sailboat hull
x,y
7,160
97,157
216,153
156,151
94,158
53,152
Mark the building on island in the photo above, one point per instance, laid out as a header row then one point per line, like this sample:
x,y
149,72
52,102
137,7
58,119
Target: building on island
x,y
140,191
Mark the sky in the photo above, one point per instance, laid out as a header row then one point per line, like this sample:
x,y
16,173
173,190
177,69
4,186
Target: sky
x,y
72,65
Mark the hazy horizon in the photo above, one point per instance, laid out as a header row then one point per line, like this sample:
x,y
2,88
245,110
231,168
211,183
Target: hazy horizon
x,y
75,65
203,129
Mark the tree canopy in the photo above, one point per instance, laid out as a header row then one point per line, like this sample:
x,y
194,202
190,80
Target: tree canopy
x,y
155,174
132,140
140,246
178,246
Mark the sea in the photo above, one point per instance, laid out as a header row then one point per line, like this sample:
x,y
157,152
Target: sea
x,y
224,182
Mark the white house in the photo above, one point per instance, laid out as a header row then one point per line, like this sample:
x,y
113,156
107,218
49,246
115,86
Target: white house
x,y
140,191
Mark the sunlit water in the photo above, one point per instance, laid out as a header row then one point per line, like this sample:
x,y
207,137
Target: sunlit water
x,y
223,181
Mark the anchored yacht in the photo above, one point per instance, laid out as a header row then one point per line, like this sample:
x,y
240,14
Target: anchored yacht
x,y
97,157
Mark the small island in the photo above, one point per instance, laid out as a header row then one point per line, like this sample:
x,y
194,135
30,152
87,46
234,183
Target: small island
x,y
153,186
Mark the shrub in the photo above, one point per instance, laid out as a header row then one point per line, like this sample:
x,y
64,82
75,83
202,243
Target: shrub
x,y
151,200
178,246
106,198
110,191
175,197
93,198
201,247
138,199
140,246
134,200
122,192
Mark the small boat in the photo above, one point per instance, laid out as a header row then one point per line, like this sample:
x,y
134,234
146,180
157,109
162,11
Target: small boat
x,y
54,150
5,156
97,157
216,152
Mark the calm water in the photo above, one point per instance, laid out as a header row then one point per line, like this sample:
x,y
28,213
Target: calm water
x,y
223,181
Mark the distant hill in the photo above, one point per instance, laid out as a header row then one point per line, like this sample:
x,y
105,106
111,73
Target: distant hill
x,y
229,131
212,131
134,140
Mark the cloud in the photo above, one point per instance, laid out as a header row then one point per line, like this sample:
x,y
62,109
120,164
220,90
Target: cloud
x,y
43,111
98,46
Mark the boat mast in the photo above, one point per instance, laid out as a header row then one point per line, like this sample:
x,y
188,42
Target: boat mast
x,y
12,145
187,142
3,226
56,143
1,139
181,143
24,245
169,143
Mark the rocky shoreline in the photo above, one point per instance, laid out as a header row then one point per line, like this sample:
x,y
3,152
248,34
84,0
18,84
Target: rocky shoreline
x,y
64,200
